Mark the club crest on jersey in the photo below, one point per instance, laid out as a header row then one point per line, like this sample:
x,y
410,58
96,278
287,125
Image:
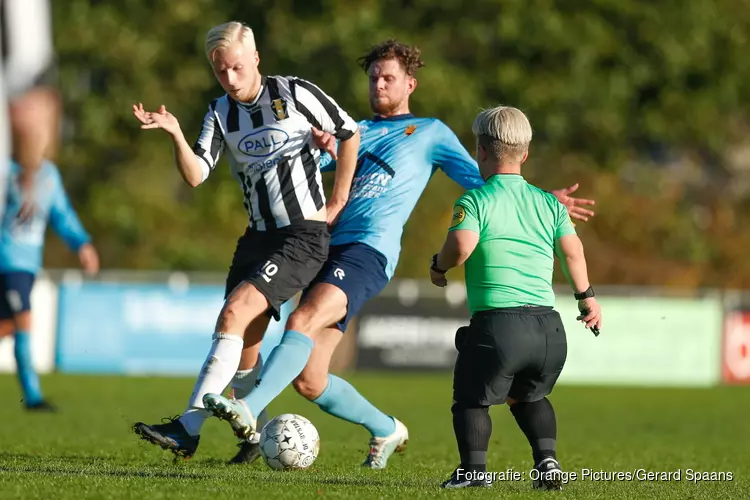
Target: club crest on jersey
x,y
458,215
278,106
410,129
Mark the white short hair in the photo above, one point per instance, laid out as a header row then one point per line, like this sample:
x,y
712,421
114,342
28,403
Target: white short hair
x,y
505,131
224,35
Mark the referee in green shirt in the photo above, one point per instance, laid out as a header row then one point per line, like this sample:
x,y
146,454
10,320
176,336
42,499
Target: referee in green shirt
x,y
507,233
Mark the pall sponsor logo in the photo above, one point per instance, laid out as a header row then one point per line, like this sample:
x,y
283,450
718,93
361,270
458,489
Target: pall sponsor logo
x,y
263,143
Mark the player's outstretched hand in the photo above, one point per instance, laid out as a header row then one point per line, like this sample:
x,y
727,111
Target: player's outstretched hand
x,y
574,205
89,258
591,314
325,142
162,119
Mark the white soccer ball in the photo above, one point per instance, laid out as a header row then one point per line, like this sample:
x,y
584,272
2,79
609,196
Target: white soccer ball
x,y
288,442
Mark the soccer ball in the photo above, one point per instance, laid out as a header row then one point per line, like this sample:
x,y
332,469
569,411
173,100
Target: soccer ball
x,y
288,442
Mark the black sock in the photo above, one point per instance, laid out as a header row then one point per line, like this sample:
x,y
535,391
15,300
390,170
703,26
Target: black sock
x,y
473,427
537,421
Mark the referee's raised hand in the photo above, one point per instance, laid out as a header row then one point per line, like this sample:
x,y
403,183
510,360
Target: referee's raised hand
x,y
162,119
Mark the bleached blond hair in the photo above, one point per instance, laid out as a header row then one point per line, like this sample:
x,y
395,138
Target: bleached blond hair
x,y
504,131
224,35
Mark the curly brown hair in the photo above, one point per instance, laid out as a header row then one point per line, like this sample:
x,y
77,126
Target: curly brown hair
x,y
407,55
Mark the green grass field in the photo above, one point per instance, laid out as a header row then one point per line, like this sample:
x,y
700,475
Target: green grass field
x,y
89,451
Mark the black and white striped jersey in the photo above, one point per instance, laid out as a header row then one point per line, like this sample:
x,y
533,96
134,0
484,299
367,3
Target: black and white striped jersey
x,y
270,147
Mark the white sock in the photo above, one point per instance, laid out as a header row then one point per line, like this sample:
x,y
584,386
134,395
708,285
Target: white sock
x,y
242,383
217,371
244,380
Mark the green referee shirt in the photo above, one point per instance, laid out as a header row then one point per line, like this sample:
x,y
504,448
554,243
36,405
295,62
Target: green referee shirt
x,y
518,225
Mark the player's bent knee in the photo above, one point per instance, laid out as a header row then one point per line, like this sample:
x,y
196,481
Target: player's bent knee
x,y
7,328
22,320
310,320
309,387
303,321
243,306
235,312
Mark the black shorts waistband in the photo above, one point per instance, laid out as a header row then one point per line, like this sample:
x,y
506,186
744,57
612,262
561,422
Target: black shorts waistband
x,y
531,310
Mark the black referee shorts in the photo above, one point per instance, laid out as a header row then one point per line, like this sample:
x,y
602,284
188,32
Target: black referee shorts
x,y
279,262
515,352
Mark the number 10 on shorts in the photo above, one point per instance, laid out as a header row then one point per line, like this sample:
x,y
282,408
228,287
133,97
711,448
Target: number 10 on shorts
x,y
268,270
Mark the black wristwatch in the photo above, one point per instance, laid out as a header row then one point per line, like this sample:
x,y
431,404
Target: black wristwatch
x,y
434,267
584,295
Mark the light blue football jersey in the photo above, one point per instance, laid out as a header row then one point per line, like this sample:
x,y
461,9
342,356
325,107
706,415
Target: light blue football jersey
x,y
397,157
22,244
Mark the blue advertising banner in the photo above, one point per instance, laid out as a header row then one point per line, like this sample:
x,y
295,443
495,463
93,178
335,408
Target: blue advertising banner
x,y
118,328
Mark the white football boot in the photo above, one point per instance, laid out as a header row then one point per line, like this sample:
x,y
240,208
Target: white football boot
x,y
234,411
381,448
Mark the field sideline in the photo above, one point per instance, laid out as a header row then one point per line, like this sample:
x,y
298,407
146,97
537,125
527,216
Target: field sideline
x,y
89,451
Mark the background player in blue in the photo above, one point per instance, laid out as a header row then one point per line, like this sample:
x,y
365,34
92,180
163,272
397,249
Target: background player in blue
x,y
398,155
21,247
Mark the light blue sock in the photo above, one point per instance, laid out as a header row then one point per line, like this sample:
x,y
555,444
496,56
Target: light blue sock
x,y
285,362
27,376
342,400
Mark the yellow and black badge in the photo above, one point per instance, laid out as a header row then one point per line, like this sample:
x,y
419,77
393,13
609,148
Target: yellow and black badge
x,y
279,108
458,215
410,129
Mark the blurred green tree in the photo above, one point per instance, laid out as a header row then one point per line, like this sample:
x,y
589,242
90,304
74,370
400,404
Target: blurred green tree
x,y
645,104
